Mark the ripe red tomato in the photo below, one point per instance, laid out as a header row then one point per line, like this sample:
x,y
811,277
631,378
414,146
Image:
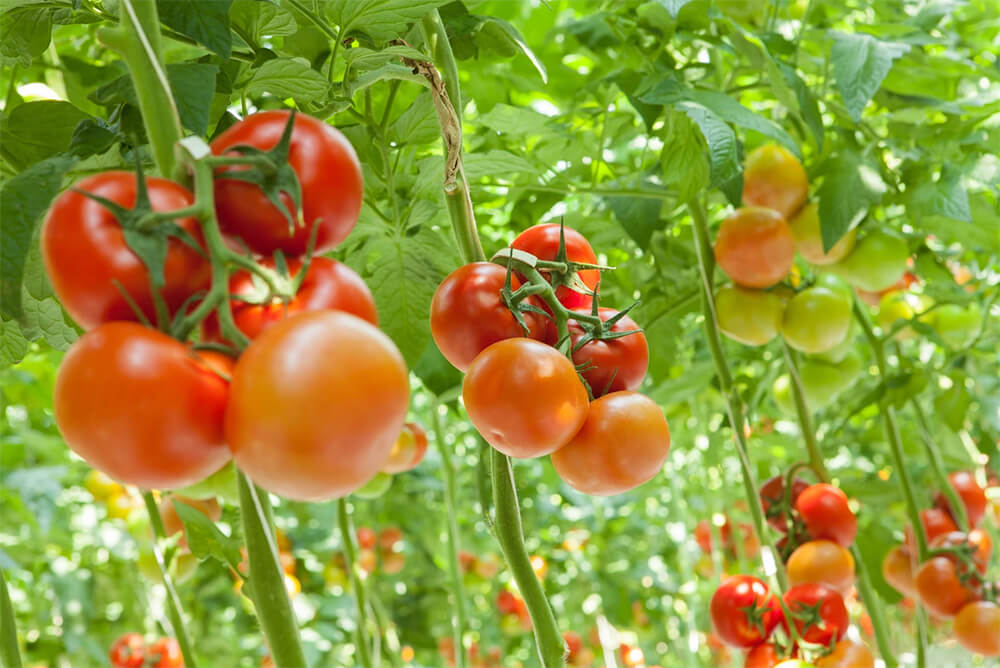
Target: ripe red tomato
x,y
774,178
524,397
897,569
621,445
128,651
936,523
940,589
468,313
85,253
329,175
316,403
755,247
612,364
976,541
542,241
772,493
366,538
822,561
327,285
574,643
764,655
818,612
824,510
847,654
408,450
141,407
972,495
977,628
166,653
744,611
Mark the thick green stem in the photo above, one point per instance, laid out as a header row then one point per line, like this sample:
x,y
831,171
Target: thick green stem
x,y
363,641
937,465
10,655
174,609
266,578
437,41
734,407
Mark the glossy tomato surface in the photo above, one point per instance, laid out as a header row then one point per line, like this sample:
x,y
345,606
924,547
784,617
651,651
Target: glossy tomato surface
x,y
972,495
774,178
977,628
755,247
752,317
408,450
847,654
317,402
940,588
141,407
542,241
824,510
85,253
329,175
614,364
822,561
764,655
165,653
744,611
897,570
818,612
816,320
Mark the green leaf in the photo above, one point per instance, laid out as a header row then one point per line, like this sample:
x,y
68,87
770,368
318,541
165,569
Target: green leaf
x,y
25,33
860,63
683,160
501,164
205,539
90,137
517,121
725,159
387,71
808,107
254,19
640,216
435,372
945,197
511,34
952,405
418,124
38,130
13,344
204,21
379,19
850,187
289,77
362,59
673,7
45,319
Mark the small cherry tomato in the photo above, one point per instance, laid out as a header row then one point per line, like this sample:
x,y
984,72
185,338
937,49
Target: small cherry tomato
x,y
897,569
772,494
847,654
613,364
977,628
408,450
744,611
818,612
972,495
824,510
822,561
542,241
774,178
128,651
940,588
755,247
165,653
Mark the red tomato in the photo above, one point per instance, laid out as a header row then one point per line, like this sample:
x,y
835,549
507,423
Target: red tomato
x,y
973,497
897,569
166,653
524,397
764,655
327,285
128,651
468,314
366,538
940,589
744,611
622,444
772,494
84,250
329,175
755,247
408,450
574,643
977,628
612,364
818,612
703,535
977,542
316,402
389,539
824,510
774,178
936,523
141,407
542,241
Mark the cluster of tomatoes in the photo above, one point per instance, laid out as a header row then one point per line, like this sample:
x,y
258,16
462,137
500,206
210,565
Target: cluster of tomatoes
x,y
132,651
819,526
741,542
950,583
378,552
312,407
493,658
531,391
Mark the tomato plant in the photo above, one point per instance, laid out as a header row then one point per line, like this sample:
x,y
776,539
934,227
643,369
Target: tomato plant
x,y
543,241
744,611
755,247
818,612
612,364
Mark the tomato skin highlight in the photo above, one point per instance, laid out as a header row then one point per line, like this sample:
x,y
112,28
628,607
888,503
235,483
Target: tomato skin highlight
x,y
617,364
833,619
977,628
755,247
542,241
622,444
84,251
775,179
822,561
169,652
329,175
940,589
825,512
729,615
316,403
141,407
468,314
524,397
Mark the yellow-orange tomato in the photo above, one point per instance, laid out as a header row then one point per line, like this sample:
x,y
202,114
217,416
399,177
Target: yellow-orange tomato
x,y
524,397
847,654
809,240
622,444
977,628
897,569
822,561
408,450
774,178
755,247
940,589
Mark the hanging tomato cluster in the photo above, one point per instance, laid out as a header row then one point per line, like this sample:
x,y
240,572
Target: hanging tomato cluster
x,y
314,406
132,651
549,372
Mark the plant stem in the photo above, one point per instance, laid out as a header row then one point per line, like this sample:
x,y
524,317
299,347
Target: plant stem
x,y
734,408
266,578
10,655
444,58
357,586
174,609
937,464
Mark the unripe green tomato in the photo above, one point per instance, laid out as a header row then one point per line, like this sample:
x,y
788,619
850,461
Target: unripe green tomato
x,y
836,283
957,325
334,576
781,392
222,484
809,239
816,320
375,487
820,382
749,316
137,523
837,354
878,261
850,368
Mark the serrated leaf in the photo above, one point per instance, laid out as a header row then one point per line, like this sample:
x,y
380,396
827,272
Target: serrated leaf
x,y
387,71
13,344
289,77
808,107
379,19
205,539
90,137
860,63
25,33
682,160
38,130
945,197
640,216
517,121
725,159
257,18
498,163
204,21
418,124
850,188
45,319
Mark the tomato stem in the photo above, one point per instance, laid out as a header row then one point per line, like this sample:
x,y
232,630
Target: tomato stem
x,y
10,654
357,586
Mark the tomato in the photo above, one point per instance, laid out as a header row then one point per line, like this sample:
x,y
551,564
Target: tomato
x,y
818,612
936,522
703,535
958,326
821,383
328,284
816,320
542,241
468,314
377,486
611,364
897,569
524,397
824,510
977,542
128,651
809,240
774,178
972,495
847,654
393,562
329,176
764,655
772,494
940,589
755,247
977,628
873,298
408,450
316,403
574,643
166,653
877,262
751,317
822,561
101,487
744,611
85,253
622,444
172,523
895,306
366,537
390,539
141,407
